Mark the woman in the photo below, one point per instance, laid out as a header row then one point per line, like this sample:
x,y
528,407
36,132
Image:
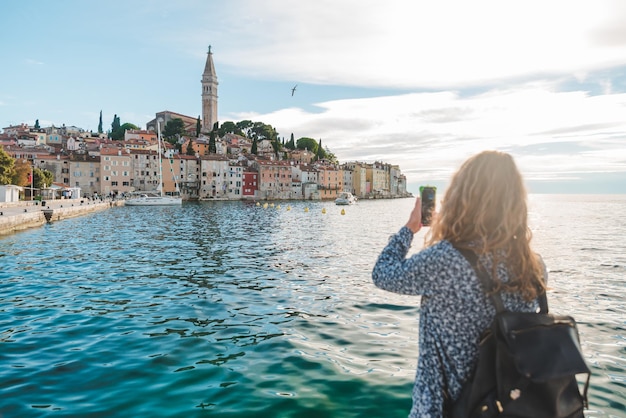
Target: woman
x,y
484,209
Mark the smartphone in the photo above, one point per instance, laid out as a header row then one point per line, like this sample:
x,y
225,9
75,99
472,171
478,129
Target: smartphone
x,y
427,195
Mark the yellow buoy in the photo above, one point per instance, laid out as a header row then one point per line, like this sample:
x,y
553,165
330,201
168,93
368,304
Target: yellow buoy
x,y
271,205
323,210
264,205
277,206
258,204
306,209
343,211
288,207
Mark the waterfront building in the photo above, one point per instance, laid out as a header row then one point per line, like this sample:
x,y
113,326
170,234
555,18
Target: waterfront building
x,y
376,177
274,179
116,171
296,189
145,170
250,183
329,182
235,180
359,178
309,177
188,169
394,177
213,171
402,191
180,176
58,165
347,185
84,173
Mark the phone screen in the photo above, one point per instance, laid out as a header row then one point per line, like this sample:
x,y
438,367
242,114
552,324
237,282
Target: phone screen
x,y
427,195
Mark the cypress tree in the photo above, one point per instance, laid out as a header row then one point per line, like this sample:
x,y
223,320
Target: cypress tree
x,y
212,146
320,151
190,150
100,123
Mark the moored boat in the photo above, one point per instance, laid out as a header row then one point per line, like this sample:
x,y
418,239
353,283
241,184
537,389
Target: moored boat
x,y
157,197
345,198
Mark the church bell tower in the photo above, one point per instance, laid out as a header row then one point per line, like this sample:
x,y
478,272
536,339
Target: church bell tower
x,y
209,94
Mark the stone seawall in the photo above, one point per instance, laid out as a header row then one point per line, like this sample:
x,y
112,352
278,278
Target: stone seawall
x,y
15,218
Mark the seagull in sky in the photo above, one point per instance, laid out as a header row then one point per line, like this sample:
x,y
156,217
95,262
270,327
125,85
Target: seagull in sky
x,y
293,90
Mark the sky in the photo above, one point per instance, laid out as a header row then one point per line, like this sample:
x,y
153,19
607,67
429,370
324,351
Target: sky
x,y
420,84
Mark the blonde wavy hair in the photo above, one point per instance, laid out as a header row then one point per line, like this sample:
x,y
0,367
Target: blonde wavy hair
x,y
485,209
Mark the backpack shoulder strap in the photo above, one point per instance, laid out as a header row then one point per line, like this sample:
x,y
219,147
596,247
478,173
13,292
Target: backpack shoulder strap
x,y
486,282
543,302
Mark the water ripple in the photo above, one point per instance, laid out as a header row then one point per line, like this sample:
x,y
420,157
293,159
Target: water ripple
x,y
228,309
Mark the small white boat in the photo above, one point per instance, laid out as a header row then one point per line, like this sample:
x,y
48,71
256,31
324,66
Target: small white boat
x,y
153,199
345,198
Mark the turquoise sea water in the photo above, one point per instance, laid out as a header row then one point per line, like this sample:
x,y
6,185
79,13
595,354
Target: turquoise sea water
x,y
226,309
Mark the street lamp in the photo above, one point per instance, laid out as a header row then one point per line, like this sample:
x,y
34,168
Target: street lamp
x,y
31,177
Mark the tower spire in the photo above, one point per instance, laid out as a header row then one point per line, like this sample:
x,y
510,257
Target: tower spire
x,y
209,94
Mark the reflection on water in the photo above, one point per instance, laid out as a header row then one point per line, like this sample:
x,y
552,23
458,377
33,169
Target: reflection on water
x,y
228,309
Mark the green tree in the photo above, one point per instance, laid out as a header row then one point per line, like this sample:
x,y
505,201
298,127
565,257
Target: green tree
x,y
7,167
320,152
330,156
174,127
115,129
37,124
229,128
291,144
190,150
254,150
118,133
245,126
277,147
307,143
42,178
128,127
21,173
198,127
212,146
261,131
100,123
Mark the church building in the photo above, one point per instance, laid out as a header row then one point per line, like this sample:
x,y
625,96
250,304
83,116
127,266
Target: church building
x,y
209,104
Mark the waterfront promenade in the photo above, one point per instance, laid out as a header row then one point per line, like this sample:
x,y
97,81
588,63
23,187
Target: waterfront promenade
x,y
17,216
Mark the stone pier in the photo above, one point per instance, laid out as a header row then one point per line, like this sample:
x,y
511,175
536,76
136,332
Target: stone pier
x,y
23,215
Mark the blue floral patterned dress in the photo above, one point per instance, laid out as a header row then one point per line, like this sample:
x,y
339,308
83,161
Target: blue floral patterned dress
x,y
453,314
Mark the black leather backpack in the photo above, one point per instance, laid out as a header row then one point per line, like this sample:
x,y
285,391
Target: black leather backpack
x,y
527,364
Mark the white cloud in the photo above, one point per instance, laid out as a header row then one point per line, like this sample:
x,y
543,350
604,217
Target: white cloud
x,y
412,44
429,134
